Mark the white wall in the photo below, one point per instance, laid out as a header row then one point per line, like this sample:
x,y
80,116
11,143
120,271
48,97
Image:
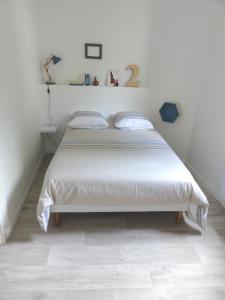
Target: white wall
x,y
168,39
207,150
62,28
20,145
180,34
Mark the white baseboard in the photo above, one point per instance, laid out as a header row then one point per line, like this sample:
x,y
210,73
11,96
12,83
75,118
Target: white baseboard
x,y
23,199
206,184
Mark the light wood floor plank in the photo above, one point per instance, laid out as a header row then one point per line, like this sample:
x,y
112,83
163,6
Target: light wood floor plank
x,y
23,256
126,255
59,295
84,277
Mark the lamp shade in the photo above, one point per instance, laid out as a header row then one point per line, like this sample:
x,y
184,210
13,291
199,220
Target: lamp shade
x,y
56,59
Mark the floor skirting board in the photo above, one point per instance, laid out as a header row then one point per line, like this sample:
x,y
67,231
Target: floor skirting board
x,y
12,222
4,221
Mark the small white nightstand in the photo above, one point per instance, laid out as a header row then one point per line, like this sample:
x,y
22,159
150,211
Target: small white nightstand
x,y
48,129
48,133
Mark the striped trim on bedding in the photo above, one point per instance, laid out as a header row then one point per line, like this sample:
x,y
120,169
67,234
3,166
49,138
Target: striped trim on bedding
x,y
200,216
196,216
70,143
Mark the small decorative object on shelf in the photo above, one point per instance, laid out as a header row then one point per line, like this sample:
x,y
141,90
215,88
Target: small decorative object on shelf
x,y
95,81
78,81
133,82
113,78
169,112
87,79
52,59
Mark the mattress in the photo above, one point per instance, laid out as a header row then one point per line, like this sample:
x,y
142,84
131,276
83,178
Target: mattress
x,y
119,170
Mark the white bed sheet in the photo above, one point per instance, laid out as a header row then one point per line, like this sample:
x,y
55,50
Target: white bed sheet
x,y
119,170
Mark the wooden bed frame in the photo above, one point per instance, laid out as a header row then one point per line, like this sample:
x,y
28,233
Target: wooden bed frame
x,y
57,218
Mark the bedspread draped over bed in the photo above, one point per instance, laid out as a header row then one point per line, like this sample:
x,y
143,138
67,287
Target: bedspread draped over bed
x,y
119,170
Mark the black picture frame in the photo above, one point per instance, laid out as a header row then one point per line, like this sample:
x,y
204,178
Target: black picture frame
x,y
87,49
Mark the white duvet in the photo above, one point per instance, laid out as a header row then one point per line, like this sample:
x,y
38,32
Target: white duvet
x,y
119,170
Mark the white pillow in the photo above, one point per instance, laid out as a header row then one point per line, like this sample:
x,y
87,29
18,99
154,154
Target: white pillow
x,y
88,122
126,114
132,120
80,113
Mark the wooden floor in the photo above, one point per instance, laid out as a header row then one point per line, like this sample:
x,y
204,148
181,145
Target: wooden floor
x,y
113,256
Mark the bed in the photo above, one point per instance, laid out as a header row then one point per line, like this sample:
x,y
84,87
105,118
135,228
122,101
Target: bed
x,y
113,170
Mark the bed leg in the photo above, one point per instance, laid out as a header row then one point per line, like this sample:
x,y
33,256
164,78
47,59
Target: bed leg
x,y
179,217
57,219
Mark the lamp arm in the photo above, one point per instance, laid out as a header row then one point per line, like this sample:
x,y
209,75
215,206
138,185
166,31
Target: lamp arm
x,y
46,68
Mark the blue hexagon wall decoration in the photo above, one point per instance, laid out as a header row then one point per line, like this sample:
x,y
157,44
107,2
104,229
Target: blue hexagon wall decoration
x,y
169,112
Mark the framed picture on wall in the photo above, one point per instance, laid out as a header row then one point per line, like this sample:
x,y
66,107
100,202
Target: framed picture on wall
x,y
93,51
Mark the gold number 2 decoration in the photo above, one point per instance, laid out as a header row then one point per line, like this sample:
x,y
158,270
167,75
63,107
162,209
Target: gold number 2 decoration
x,y
133,82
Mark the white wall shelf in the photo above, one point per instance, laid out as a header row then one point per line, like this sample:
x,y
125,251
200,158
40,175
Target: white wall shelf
x,y
92,86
